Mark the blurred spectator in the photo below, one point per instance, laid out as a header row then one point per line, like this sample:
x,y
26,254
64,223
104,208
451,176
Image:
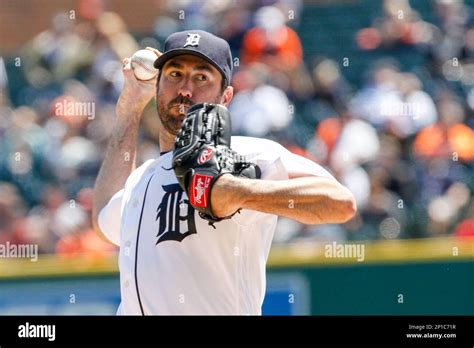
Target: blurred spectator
x,y
113,29
12,210
445,209
113,43
381,90
394,160
395,101
452,19
57,53
448,138
328,94
465,228
234,23
73,227
258,108
272,42
91,9
357,143
400,25
329,83
383,219
415,109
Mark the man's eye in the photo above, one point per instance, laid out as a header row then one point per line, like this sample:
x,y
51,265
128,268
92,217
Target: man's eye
x,y
174,74
202,77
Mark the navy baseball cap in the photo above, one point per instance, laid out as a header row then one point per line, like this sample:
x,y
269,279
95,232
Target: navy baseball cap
x,y
199,43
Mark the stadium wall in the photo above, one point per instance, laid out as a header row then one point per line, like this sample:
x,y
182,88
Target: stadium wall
x,y
413,277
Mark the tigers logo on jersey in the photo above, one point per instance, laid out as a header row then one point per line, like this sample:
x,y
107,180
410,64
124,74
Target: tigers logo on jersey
x,y
171,214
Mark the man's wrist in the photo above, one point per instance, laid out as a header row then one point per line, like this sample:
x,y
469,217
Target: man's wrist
x,y
129,113
228,195
129,105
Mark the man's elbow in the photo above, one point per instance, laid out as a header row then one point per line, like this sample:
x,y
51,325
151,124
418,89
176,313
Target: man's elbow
x,y
97,205
336,211
343,208
98,230
348,208
95,223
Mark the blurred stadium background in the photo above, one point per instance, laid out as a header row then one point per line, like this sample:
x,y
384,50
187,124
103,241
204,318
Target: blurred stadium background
x,y
379,92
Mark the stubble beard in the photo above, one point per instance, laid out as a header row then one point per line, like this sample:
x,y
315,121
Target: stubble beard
x,y
172,121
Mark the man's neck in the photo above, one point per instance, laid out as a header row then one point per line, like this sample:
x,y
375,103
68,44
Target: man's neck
x,y
166,140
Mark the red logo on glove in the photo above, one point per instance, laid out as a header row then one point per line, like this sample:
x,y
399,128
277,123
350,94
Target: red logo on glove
x,y
205,156
200,186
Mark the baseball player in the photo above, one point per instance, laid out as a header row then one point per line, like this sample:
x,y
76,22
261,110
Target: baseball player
x,y
195,225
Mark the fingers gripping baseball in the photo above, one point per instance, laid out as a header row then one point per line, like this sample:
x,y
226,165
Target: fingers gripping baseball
x,y
137,93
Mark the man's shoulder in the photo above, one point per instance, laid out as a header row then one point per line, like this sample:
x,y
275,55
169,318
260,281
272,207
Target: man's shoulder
x,y
144,166
149,165
138,173
247,145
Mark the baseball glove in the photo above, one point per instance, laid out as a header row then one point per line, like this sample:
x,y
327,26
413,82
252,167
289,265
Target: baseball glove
x,y
202,154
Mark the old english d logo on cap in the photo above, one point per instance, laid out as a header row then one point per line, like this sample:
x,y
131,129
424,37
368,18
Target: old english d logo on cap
x,y
192,40
207,46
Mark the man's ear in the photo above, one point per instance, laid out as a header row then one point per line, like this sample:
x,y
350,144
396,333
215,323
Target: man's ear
x,y
227,95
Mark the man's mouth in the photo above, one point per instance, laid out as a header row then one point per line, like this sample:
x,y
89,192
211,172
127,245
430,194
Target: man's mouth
x,y
182,108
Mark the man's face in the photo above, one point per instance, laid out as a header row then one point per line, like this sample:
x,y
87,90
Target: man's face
x,y
185,80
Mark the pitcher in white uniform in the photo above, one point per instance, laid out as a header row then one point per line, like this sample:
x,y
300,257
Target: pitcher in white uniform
x,y
171,261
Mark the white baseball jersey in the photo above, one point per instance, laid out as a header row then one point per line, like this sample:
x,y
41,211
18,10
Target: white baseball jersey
x,y
172,262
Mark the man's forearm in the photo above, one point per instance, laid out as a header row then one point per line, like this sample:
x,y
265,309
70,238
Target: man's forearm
x,y
121,151
309,200
119,162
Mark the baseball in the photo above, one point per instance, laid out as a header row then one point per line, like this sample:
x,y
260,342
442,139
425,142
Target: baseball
x,y
142,65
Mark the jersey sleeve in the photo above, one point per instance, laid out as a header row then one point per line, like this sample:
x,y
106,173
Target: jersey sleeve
x,y
109,218
295,165
277,163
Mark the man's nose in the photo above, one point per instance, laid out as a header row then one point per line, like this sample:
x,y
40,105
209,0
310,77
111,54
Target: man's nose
x,y
185,89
